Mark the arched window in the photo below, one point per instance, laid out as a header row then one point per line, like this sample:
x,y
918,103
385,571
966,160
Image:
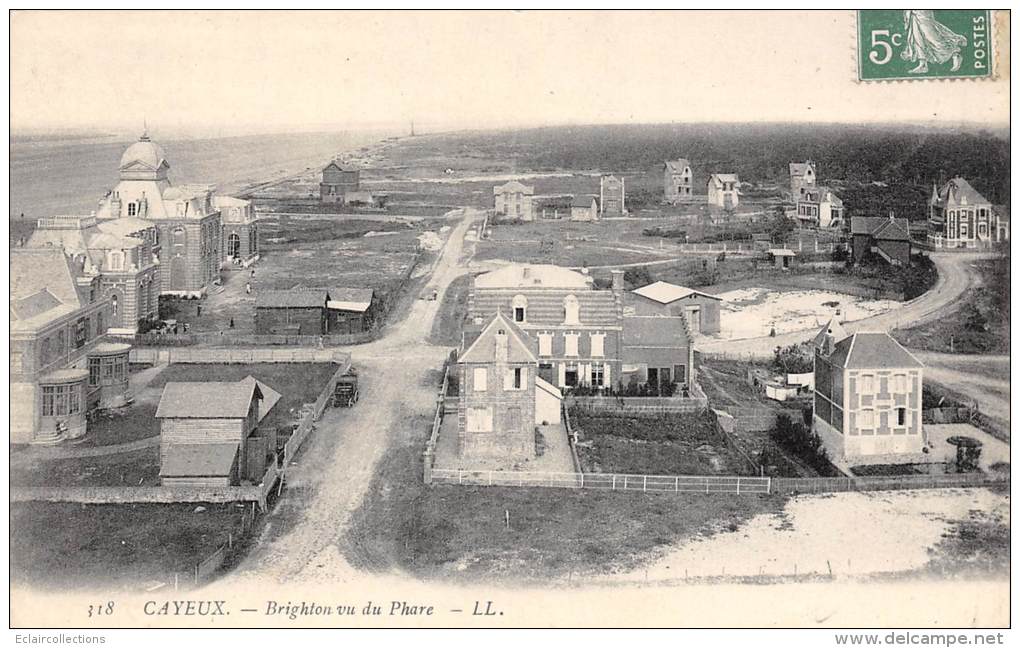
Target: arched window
x,y
233,245
179,237
571,309
520,306
113,304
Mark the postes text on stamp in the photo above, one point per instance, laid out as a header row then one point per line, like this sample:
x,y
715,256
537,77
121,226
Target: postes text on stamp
x,y
924,44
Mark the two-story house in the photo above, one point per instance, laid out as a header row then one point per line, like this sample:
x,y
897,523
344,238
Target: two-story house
x,y
678,180
802,175
577,329
867,400
337,182
514,200
820,207
612,196
723,190
960,217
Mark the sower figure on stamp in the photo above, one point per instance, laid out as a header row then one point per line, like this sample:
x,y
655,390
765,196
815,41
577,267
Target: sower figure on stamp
x,y
928,40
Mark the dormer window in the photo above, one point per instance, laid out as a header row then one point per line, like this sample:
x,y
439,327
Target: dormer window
x,y
116,260
520,306
571,309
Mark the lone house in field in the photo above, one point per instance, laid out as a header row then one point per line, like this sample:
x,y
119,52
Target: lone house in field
x,y
584,208
210,434
700,310
678,180
612,196
337,182
514,200
722,190
867,402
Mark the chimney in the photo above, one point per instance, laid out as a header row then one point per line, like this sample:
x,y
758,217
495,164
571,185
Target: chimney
x,y
502,347
526,272
892,215
618,281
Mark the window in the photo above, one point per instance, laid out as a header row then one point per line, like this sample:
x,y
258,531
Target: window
x,y
113,303
80,332
901,416
680,373
61,400
571,343
571,310
514,379
479,419
867,419
598,374
116,260
899,384
598,345
480,379
233,245
132,209
94,364
545,344
520,306
867,384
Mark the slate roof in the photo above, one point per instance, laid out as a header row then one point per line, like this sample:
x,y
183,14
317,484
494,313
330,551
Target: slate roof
x,y
532,275
959,191
667,293
483,349
719,178
884,228
513,187
293,298
42,282
209,399
872,351
677,166
545,307
819,194
654,331
583,200
833,328
198,460
800,168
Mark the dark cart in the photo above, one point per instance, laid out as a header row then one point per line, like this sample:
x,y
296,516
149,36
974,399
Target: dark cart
x,y
345,394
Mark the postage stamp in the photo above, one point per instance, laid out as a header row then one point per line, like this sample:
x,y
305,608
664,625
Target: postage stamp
x,y
924,44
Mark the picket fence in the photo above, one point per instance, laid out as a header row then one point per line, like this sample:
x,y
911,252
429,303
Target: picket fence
x,y
154,356
225,338
604,481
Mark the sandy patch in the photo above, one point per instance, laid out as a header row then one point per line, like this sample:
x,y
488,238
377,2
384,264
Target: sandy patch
x,y
753,312
854,533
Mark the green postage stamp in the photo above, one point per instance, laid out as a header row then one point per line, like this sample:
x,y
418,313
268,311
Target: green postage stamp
x,y
924,44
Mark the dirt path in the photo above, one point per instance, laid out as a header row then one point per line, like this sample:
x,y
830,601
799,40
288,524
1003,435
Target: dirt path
x,y
305,533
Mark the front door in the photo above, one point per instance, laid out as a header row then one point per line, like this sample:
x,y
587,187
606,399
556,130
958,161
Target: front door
x,y
694,320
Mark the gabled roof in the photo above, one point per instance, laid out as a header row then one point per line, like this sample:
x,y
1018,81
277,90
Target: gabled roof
x,y
584,200
719,178
883,228
960,192
800,168
34,270
831,329
483,349
819,194
666,293
210,399
350,299
678,165
513,187
872,351
198,460
655,331
532,275
293,298
333,164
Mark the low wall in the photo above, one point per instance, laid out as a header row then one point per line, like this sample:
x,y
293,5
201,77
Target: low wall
x,y
130,494
245,339
155,356
637,405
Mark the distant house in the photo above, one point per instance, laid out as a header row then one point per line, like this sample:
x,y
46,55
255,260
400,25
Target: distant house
x,y
552,207
299,311
349,310
889,238
657,350
678,180
499,396
802,175
210,434
781,258
722,190
337,182
958,216
867,402
514,200
700,310
613,196
819,206
584,208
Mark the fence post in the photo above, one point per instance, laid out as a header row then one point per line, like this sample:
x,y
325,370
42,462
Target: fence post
x,y
738,485
582,480
676,485
614,482
490,478
644,487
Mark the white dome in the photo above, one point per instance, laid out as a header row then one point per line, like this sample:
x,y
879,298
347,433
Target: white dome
x,y
145,151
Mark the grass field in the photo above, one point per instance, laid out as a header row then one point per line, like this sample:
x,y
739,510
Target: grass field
x,y
452,532
446,328
128,547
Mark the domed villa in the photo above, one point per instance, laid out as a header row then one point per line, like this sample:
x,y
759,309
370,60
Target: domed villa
x,y
197,231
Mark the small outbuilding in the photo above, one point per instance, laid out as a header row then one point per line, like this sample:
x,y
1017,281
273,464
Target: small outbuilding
x,y
298,311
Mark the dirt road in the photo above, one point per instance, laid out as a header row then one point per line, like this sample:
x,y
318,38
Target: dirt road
x,y
305,531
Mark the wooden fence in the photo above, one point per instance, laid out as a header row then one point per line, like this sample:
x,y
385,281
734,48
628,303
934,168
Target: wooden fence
x,y
605,481
429,456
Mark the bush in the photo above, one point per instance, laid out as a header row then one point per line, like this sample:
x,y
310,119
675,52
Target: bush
x,y
637,277
802,442
796,359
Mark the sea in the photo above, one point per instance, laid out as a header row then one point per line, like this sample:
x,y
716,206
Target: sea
x,y
53,175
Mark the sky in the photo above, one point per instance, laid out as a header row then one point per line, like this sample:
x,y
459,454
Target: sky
x,y
261,72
